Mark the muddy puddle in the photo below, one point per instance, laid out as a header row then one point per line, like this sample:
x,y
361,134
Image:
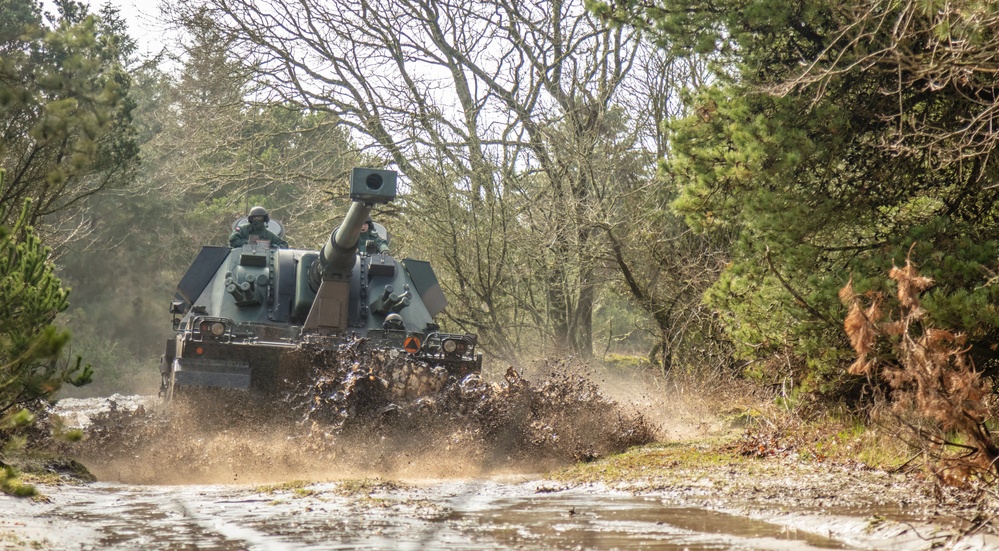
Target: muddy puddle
x,y
507,512
373,514
447,473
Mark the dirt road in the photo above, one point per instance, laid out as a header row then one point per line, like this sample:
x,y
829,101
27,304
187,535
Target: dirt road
x,y
453,514
646,498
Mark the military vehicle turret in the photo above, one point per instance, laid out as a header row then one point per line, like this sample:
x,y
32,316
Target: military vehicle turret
x,y
239,312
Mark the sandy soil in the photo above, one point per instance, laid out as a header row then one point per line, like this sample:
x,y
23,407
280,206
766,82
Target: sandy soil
x,y
692,491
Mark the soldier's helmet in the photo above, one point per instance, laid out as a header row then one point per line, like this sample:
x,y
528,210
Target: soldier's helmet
x,y
259,212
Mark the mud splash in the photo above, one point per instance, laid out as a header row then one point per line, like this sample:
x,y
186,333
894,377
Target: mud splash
x,y
359,417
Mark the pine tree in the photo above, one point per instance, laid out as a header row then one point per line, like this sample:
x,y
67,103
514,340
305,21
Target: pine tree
x,y
830,140
30,297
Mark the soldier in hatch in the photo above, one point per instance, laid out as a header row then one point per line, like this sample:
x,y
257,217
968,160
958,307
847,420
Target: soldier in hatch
x,y
255,229
369,241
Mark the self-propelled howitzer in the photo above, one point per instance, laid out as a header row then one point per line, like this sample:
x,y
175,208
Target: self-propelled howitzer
x,y
239,312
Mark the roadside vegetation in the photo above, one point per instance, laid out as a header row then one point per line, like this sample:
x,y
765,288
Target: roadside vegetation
x,y
795,199
31,346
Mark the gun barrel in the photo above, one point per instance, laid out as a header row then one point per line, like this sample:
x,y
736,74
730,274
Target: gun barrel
x,y
340,251
367,187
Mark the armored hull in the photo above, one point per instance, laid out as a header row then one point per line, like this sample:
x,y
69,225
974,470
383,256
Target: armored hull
x,y
240,313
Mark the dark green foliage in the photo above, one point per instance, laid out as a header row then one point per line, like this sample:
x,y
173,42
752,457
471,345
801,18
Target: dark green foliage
x,y
829,162
30,298
10,483
31,347
65,128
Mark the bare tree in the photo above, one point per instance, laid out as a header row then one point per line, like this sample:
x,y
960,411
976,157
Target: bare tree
x,y
496,109
214,148
662,264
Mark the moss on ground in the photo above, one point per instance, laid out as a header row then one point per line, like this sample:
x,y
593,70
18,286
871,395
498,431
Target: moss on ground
x,y
664,463
364,486
290,486
22,470
640,461
762,449
10,540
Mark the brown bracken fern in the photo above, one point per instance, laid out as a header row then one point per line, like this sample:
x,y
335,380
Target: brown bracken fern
x,y
930,375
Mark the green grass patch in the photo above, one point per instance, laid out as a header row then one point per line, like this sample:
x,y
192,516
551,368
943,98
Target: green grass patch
x,y
365,486
652,461
763,447
24,469
11,484
877,446
291,486
10,540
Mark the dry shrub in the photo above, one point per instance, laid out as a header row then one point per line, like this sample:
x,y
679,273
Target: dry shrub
x,y
930,375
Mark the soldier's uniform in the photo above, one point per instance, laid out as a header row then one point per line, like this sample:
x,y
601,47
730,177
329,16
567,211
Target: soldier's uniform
x,y
246,233
256,230
370,241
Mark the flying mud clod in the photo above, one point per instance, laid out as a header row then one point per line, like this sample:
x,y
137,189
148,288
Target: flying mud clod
x,y
359,418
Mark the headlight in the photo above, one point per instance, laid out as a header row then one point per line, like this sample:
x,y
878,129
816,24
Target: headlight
x,y
450,346
214,328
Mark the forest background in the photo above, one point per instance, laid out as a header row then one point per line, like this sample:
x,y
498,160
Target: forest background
x,y
679,186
